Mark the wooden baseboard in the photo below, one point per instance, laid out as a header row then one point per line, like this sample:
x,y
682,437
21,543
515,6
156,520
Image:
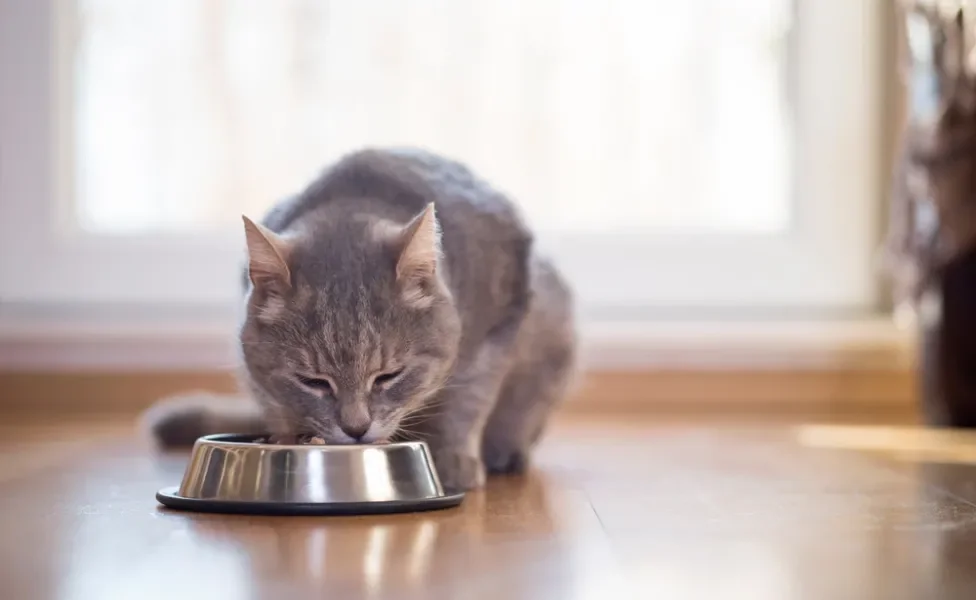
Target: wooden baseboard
x,y
815,367
695,391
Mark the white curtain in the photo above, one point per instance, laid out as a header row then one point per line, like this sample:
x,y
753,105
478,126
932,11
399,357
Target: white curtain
x,y
654,116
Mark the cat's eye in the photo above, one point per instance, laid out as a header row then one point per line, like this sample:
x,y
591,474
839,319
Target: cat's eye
x,y
319,384
385,379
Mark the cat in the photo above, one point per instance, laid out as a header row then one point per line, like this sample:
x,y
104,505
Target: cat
x,y
399,296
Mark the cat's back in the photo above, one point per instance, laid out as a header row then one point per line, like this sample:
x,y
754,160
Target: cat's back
x,y
398,183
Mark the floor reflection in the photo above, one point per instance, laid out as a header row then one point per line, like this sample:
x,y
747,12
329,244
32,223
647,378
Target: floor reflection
x,y
948,552
422,555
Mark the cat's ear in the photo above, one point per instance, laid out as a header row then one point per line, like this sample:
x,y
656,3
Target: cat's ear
x,y
420,253
267,256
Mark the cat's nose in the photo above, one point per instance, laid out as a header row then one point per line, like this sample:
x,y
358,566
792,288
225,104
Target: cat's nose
x,y
355,430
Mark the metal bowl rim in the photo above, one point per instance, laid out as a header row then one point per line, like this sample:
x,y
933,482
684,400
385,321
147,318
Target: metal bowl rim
x,y
216,440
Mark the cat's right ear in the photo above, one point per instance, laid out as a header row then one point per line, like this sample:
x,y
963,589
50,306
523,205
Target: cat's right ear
x,y
419,257
267,258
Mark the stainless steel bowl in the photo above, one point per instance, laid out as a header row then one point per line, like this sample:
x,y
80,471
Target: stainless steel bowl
x,y
232,473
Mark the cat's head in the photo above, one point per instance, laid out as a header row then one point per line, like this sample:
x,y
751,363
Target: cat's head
x,y
349,327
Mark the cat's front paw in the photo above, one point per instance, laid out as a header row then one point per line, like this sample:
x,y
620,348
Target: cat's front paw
x,y
459,472
506,461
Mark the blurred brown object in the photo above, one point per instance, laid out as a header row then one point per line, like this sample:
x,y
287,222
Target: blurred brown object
x,y
931,245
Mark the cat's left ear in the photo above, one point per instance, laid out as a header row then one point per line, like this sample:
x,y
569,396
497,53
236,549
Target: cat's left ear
x,y
420,254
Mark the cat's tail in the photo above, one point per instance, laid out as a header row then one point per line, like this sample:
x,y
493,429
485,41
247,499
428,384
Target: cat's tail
x,y
177,421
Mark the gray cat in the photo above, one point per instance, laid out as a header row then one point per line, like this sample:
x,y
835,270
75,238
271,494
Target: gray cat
x,y
397,297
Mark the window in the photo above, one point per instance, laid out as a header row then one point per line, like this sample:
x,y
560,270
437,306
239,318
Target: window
x,y
706,155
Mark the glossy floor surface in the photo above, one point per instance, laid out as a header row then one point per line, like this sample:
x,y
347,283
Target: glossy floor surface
x,y
612,510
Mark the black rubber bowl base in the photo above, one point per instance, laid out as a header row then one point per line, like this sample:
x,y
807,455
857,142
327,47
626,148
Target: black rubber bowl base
x,y
169,498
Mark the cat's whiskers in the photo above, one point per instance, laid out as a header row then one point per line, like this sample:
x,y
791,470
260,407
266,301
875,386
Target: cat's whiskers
x,y
414,418
413,426
407,431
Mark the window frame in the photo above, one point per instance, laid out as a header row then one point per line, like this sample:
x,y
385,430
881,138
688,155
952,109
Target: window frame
x,y
822,264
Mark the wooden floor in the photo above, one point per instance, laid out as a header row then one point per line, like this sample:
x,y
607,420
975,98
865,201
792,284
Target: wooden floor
x,y
613,510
